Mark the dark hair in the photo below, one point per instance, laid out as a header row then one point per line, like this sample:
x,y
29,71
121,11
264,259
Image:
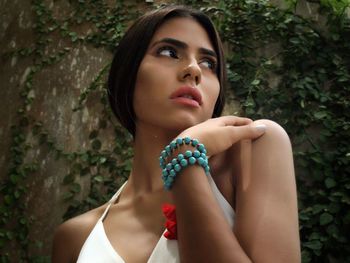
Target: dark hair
x,y
131,50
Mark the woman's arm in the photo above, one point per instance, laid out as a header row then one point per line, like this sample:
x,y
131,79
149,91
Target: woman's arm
x,y
62,248
266,222
203,232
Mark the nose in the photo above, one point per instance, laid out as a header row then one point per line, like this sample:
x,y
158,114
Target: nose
x,y
191,72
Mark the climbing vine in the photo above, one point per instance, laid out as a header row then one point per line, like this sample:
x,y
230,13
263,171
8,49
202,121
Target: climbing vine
x,y
281,66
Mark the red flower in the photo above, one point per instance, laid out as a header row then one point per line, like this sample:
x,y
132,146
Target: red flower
x,y
170,224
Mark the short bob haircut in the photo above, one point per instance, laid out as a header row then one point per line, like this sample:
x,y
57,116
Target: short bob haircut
x,y
131,50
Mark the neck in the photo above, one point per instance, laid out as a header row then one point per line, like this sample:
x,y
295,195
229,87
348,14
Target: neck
x,y
145,176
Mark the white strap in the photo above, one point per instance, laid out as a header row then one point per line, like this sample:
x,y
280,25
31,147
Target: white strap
x,y
111,201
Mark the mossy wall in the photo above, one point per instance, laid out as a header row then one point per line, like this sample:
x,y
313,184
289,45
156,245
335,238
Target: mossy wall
x,y
62,152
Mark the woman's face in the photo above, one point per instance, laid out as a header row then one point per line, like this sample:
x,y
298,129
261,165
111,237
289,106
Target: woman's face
x,y
176,85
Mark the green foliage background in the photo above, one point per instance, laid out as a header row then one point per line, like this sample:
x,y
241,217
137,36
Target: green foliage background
x,y
310,99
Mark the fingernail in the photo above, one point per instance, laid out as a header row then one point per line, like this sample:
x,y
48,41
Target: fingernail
x,y
260,128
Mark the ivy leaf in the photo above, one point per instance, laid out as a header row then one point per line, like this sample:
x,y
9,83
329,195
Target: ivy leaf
x,y
314,236
294,40
330,182
94,160
98,178
317,208
333,230
2,242
8,199
9,235
103,159
84,157
320,115
67,196
75,188
305,256
17,194
73,36
255,82
314,245
14,178
325,219
22,221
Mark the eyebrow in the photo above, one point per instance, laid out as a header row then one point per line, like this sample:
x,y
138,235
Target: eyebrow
x,y
183,45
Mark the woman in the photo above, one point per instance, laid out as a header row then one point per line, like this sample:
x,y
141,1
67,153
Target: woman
x,y
167,82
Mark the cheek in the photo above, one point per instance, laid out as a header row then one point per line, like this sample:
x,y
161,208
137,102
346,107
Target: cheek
x,y
213,92
142,77
148,87
150,76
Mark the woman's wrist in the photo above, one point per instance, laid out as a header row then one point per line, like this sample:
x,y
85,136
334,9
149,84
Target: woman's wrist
x,y
178,155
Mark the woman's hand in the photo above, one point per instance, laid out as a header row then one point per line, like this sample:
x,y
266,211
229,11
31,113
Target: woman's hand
x,y
219,134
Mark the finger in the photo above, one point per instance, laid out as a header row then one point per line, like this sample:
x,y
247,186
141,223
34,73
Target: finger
x,y
234,121
251,131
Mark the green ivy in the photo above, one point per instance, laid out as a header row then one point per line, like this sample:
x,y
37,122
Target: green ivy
x,y
310,99
281,66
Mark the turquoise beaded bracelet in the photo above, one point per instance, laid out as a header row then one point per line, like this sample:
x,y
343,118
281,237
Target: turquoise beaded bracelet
x,y
172,168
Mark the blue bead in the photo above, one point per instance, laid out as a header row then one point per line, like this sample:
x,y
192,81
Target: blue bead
x,y
174,161
165,172
179,141
170,180
172,173
177,167
200,160
173,145
169,166
187,140
183,162
188,153
192,160
207,169
196,154
164,154
200,147
203,156
168,149
204,151
195,142
180,156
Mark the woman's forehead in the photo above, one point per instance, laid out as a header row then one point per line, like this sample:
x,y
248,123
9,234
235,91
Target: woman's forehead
x,y
184,29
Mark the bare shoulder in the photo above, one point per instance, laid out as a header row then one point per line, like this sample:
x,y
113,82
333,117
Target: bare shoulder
x,y
70,236
272,157
274,132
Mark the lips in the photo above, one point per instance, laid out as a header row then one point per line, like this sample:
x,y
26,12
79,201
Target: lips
x,y
187,95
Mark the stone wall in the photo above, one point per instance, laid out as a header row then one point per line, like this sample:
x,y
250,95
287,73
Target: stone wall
x,y
56,93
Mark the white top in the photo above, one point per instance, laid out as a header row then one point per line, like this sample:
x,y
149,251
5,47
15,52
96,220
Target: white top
x,y
98,249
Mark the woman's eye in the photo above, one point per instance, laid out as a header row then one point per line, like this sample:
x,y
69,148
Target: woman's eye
x,y
209,63
167,51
